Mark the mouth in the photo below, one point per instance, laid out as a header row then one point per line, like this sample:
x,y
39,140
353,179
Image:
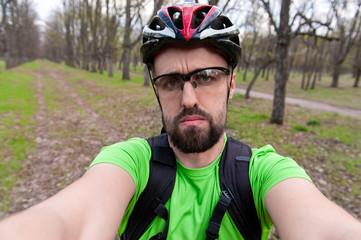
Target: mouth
x,y
192,120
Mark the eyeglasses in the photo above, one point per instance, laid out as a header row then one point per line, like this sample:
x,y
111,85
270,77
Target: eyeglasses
x,y
202,80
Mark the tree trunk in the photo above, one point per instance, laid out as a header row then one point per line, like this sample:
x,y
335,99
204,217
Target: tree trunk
x,y
245,72
126,44
126,64
305,67
110,66
357,78
146,76
250,85
336,74
101,63
283,42
267,74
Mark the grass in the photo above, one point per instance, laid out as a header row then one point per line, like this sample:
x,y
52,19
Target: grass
x,y
2,65
320,142
345,95
17,107
315,140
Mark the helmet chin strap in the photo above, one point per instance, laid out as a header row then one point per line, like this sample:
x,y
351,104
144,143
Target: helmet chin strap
x,y
229,86
149,66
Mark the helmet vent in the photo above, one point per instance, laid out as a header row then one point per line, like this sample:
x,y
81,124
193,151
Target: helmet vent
x,y
157,24
176,16
199,16
221,22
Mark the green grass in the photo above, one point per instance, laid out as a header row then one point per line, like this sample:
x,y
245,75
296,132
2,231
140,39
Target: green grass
x,y
299,128
315,140
2,65
17,106
313,123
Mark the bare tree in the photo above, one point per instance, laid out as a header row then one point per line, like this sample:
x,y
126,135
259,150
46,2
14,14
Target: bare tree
x,y
22,35
347,33
111,29
94,22
357,63
69,21
84,34
3,26
261,63
54,43
157,5
128,44
283,28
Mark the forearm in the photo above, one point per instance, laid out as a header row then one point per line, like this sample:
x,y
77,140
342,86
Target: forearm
x,y
35,223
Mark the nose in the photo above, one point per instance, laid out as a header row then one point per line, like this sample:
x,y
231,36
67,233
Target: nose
x,y
189,96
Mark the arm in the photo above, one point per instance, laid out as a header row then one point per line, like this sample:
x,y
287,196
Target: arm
x,y
300,211
90,208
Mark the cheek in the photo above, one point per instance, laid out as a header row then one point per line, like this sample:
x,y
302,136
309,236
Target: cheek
x,y
169,107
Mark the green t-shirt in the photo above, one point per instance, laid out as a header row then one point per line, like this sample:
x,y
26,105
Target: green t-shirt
x,y
197,191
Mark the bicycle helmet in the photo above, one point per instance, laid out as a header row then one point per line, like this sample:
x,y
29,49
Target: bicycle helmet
x,y
191,24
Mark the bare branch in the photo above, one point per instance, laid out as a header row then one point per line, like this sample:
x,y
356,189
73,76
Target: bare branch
x,y
266,6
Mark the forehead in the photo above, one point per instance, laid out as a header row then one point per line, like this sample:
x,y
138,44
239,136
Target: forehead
x,y
187,59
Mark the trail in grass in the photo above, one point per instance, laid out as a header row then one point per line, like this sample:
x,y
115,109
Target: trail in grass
x,y
68,138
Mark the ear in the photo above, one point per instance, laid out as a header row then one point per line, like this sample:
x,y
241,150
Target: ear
x,y
233,86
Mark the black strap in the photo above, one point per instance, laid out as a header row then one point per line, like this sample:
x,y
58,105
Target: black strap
x,y
162,212
234,178
159,188
217,216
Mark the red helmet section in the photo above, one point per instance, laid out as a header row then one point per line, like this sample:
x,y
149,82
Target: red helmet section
x,y
188,11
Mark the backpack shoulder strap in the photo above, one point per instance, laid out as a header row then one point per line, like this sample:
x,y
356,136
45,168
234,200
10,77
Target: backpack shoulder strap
x,y
236,192
159,188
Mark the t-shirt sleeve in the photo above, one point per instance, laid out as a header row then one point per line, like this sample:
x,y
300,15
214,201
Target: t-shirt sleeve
x,y
266,170
133,156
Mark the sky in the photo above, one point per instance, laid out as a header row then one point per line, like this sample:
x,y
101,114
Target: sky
x,y
45,7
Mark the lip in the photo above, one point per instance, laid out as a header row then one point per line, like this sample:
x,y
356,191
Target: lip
x,y
192,120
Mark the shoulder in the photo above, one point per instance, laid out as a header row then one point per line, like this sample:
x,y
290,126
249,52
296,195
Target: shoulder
x,y
132,155
270,168
266,169
134,147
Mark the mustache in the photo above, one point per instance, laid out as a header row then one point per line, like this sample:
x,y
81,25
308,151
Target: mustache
x,y
192,111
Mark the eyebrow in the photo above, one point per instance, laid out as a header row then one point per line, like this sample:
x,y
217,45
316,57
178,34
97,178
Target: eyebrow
x,y
195,70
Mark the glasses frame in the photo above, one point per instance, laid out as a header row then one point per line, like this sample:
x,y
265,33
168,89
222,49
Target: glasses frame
x,y
188,76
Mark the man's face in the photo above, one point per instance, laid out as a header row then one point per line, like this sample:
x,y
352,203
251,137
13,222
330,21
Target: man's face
x,y
194,118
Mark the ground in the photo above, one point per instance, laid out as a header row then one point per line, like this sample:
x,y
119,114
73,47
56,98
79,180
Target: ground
x,y
76,117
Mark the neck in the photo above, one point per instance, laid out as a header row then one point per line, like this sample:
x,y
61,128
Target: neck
x,y
199,160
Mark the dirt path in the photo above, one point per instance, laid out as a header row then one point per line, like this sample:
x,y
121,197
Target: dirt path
x,y
68,138
307,104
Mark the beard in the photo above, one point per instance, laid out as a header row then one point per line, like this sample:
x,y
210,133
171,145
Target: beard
x,y
194,139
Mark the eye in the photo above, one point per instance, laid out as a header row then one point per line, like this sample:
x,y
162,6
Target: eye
x,y
206,76
169,82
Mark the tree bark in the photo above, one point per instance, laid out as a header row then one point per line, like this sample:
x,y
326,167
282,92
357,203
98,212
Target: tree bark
x,y
257,71
357,78
347,39
126,44
146,76
283,42
335,76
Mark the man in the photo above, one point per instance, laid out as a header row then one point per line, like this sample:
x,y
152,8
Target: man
x,y
191,51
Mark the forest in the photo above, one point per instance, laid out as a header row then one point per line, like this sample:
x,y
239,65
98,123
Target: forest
x,y
312,38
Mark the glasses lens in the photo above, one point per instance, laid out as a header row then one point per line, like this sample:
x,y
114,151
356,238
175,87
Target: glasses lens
x,y
169,83
202,80
208,77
